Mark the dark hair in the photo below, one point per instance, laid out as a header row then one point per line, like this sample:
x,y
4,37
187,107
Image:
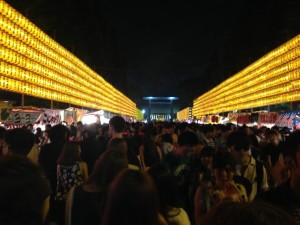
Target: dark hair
x,y
118,123
270,133
117,143
240,140
207,128
207,151
292,145
22,185
91,130
132,199
223,160
225,128
110,163
70,154
19,140
188,138
167,138
58,133
247,213
166,187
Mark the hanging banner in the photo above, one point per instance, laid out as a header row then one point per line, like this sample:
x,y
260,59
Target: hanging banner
x,y
244,119
49,116
290,119
267,118
23,117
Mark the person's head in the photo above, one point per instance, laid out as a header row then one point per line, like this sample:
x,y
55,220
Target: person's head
x,y
110,163
70,153
116,125
132,199
48,126
38,131
166,186
21,185
208,131
206,156
247,213
58,133
272,137
239,144
29,126
187,143
291,153
79,124
171,130
223,168
91,131
18,141
260,133
225,131
167,138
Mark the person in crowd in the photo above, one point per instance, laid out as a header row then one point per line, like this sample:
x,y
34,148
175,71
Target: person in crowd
x,y
221,140
220,188
168,197
121,145
201,169
258,137
24,192
71,171
79,131
17,141
278,133
49,153
91,148
247,213
166,143
287,195
179,162
149,151
102,136
132,199
271,155
86,202
173,134
208,136
2,133
30,127
117,126
48,157
247,165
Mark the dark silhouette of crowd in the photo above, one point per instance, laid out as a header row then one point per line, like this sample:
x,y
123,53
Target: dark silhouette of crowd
x,y
158,173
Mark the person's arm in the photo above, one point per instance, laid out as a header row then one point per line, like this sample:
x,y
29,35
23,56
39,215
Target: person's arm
x,y
158,150
84,170
141,154
197,206
264,184
45,209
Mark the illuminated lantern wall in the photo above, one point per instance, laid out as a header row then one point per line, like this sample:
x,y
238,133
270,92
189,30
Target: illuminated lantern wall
x,y
273,79
184,114
31,63
139,114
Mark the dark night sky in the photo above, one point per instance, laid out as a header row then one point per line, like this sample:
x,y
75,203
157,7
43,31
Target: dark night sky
x,y
163,47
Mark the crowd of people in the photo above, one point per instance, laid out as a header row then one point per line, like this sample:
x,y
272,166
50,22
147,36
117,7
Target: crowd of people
x,y
159,173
